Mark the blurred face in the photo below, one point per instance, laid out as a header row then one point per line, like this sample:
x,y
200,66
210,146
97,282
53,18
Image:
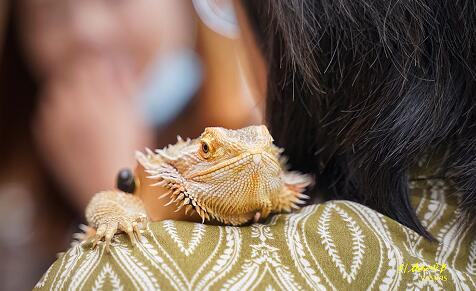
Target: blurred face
x,y
57,33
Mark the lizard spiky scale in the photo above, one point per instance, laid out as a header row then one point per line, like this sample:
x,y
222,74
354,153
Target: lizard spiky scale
x,y
231,176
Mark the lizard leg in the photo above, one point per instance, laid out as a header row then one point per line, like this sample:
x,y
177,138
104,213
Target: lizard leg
x,y
291,196
111,212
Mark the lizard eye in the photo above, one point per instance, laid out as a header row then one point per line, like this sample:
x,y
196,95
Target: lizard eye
x,y
205,148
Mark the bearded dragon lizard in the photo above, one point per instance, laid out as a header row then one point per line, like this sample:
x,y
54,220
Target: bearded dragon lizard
x,y
229,176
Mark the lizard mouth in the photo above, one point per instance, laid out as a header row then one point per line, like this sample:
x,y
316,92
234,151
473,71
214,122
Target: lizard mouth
x,y
237,162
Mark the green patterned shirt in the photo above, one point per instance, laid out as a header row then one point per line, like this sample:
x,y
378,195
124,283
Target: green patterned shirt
x,y
336,245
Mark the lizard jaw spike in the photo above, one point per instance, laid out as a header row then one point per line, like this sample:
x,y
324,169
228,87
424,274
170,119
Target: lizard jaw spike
x,y
170,202
302,196
200,213
149,152
188,208
184,204
294,206
180,195
178,208
202,216
162,183
165,194
178,191
154,176
301,202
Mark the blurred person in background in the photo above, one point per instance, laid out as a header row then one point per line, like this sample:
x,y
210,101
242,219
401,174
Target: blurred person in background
x,y
89,57
83,84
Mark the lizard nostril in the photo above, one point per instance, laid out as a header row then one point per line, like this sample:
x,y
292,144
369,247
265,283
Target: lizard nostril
x,y
125,181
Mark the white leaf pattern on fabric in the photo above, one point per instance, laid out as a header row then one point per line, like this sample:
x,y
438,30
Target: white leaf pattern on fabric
x,y
197,235
107,273
358,247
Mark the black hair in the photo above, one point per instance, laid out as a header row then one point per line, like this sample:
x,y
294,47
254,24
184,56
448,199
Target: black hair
x,y
359,91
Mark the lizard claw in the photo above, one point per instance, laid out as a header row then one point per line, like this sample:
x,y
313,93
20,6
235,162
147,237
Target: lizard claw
x,y
127,224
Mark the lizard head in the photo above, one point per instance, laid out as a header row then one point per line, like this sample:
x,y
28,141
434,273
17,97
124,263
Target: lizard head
x,y
228,175
234,172
221,150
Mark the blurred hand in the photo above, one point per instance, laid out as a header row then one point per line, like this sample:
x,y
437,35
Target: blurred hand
x,y
88,127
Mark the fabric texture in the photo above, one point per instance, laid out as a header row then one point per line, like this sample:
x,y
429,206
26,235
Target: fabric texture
x,y
335,245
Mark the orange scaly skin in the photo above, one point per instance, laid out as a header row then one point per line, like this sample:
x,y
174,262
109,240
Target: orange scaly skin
x,y
230,176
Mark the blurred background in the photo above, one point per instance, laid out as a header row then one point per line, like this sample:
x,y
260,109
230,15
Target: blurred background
x,y
85,83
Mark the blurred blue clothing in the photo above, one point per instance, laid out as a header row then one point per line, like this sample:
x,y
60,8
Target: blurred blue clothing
x,y
170,84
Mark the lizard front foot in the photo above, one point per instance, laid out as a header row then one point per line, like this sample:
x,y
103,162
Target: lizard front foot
x,y
112,212
108,228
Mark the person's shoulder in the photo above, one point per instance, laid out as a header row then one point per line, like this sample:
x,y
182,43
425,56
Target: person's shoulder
x,y
333,245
